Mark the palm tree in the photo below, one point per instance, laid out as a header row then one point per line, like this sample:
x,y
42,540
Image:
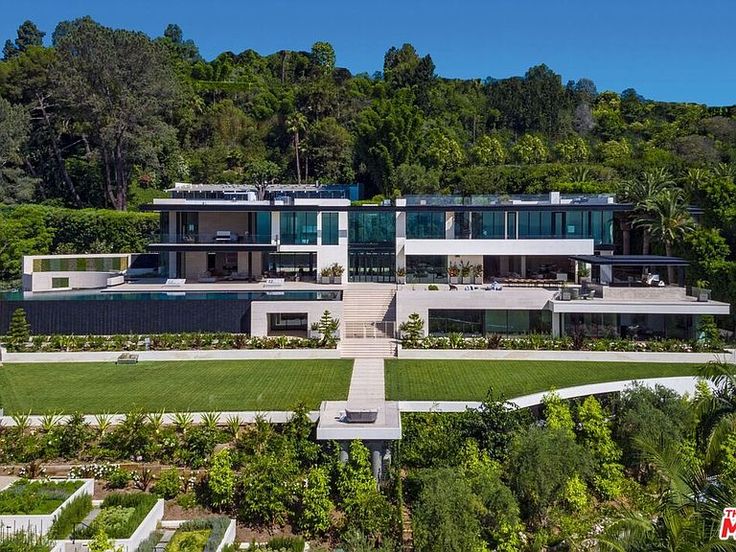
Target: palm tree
x,y
295,125
716,411
667,220
640,193
688,512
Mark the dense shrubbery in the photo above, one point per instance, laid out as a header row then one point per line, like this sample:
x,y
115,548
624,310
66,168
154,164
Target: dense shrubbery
x,y
24,542
210,533
159,342
547,343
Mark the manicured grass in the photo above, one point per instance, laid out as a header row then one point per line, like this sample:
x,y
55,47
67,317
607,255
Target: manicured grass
x,y
172,386
469,380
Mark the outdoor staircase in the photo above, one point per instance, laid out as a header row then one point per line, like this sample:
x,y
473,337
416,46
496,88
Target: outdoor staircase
x,y
368,321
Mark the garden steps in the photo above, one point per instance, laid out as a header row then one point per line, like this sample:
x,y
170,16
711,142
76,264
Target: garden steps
x,y
369,312
367,348
166,537
407,534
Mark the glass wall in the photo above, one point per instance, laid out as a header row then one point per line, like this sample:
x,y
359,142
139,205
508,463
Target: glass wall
x,y
299,227
263,227
330,232
482,322
597,225
488,225
462,225
288,323
372,227
426,269
632,326
371,265
425,225
292,264
535,224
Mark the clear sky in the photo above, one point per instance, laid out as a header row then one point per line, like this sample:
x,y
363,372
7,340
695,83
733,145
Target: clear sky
x,y
678,50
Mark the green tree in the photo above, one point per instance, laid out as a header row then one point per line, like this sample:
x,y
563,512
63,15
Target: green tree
x,y
573,149
314,505
27,35
296,123
445,516
15,185
323,56
414,178
530,149
642,192
119,86
443,151
488,151
412,331
331,151
597,437
328,327
19,331
221,481
541,462
557,414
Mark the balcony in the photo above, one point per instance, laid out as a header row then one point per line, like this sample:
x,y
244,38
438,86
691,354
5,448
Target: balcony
x,y
222,240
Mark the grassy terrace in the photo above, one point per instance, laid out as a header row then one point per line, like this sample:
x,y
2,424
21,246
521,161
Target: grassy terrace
x,y
469,380
92,387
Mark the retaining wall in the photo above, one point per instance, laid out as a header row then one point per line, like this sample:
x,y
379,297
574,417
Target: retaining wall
x,y
228,354
592,356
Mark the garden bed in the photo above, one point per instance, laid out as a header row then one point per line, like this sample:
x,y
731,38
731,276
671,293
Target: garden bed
x,y
36,497
536,342
157,342
202,535
120,515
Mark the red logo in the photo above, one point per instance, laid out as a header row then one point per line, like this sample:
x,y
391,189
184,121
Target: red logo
x,y
728,524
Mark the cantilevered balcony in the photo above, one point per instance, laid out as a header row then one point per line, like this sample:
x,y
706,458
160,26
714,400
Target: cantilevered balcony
x,y
222,240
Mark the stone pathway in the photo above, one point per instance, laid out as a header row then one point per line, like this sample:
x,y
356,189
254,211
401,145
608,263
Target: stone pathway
x,y
367,384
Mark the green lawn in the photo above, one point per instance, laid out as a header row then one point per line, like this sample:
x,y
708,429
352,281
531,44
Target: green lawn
x,y
172,386
469,380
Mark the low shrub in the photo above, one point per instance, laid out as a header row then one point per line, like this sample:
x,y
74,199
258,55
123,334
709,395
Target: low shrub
x,y
24,542
118,479
159,342
121,514
168,484
577,342
214,527
70,516
149,544
289,544
189,541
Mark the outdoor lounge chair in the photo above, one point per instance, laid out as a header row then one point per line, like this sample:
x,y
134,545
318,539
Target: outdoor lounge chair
x,y
175,282
360,416
223,236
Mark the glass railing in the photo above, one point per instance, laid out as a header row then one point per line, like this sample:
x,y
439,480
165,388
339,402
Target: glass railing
x,y
216,237
301,238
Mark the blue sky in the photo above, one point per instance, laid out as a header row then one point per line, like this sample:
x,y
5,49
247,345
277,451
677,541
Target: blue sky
x,y
674,50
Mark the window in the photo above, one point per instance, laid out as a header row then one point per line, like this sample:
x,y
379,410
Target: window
x,y
425,225
299,228
330,233
370,226
488,225
445,321
263,227
59,283
426,269
288,323
511,225
292,263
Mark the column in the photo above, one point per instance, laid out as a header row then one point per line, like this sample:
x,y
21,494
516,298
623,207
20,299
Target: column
x,y
523,266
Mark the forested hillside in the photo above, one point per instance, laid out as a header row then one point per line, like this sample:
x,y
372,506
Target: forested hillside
x,y
108,118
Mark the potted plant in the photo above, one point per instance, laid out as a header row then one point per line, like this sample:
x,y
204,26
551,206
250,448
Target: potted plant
x,y
478,274
401,275
465,270
702,291
336,272
325,275
453,272
583,272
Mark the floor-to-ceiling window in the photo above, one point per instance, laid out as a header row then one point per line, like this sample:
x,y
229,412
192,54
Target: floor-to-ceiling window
x,y
426,269
330,230
424,225
298,227
488,225
371,246
483,322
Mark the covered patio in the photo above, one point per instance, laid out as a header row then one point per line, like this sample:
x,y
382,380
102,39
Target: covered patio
x,y
634,270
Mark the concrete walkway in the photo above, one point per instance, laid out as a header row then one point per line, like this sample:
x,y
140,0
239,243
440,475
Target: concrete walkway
x,y
367,384
169,418
685,384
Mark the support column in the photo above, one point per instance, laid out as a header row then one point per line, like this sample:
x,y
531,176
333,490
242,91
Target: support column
x,y
556,324
523,266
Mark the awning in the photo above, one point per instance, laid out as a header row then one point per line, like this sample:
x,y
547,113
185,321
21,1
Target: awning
x,y
631,260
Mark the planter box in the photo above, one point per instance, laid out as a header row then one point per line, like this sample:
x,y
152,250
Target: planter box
x,y
325,279
467,279
336,280
454,280
478,280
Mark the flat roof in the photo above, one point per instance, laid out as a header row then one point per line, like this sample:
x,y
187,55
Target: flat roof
x,y
331,425
631,260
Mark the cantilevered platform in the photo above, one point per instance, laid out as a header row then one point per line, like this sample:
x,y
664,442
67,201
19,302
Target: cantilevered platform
x,y
332,425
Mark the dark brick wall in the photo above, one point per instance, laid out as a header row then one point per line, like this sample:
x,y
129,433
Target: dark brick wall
x,y
134,316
